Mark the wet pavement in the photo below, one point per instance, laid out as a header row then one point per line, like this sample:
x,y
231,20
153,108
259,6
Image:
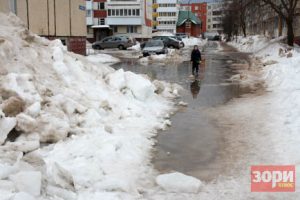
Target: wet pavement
x,y
194,142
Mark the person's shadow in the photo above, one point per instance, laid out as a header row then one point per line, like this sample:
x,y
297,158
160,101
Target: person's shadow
x,y
195,88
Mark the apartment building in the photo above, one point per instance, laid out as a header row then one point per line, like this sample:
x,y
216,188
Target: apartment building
x,y
214,16
54,19
130,17
165,15
96,20
199,10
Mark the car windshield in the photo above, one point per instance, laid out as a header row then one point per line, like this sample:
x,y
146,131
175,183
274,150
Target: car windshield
x,y
154,43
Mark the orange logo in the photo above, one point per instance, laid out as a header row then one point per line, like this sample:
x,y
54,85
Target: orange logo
x,y
273,178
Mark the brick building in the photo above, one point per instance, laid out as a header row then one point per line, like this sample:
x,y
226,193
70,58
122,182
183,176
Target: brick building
x,y
188,23
200,11
54,19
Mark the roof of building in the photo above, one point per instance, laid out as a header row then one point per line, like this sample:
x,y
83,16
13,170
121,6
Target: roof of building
x,y
184,15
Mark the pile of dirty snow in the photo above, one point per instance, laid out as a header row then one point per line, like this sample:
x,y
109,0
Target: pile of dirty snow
x,y
70,127
254,43
191,41
101,58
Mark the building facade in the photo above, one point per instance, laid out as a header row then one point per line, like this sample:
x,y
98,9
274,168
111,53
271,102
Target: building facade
x,y
165,15
54,19
131,17
214,17
188,23
200,11
96,20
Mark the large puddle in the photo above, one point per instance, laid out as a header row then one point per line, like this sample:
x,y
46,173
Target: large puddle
x,y
193,143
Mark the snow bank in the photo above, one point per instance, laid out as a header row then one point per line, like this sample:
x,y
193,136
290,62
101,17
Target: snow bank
x,y
191,41
99,122
178,182
102,58
162,33
136,47
253,44
173,55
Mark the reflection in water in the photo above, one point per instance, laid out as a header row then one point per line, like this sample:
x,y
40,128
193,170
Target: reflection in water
x,y
196,85
195,88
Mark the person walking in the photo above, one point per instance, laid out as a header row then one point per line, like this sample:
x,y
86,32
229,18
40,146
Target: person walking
x,y
196,60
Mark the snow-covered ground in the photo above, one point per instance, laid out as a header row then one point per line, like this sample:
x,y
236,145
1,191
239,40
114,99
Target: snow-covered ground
x,y
191,41
71,127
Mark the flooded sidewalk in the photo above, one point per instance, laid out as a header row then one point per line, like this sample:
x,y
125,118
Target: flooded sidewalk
x,y
193,144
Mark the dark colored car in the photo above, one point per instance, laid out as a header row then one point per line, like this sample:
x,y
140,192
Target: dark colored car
x,y
179,39
154,47
120,42
169,41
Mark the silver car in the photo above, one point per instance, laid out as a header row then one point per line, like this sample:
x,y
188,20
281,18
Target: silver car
x,y
120,42
154,47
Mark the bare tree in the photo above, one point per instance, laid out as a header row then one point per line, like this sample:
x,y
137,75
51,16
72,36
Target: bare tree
x,y
287,10
235,10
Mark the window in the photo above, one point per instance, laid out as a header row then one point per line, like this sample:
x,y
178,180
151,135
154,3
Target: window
x,y
117,12
99,21
131,29
107,39
109,12
129,12
100,6
125,12
121,12
133,12
113,12
137,12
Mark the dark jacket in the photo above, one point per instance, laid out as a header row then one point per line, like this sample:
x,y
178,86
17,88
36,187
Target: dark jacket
x,y
196,56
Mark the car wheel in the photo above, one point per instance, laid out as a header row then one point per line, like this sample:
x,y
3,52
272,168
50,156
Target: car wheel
x,y
145,54
121,47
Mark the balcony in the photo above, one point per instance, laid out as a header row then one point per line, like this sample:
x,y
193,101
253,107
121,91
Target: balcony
x,y
155,6
89,21
154,14
124,20
89,5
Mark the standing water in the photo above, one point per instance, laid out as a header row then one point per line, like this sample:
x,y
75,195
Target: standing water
x,y
193,143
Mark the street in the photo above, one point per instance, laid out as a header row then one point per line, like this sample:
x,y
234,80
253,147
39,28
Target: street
x,y
194,143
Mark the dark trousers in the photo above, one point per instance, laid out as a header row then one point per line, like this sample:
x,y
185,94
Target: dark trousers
x,y
195,68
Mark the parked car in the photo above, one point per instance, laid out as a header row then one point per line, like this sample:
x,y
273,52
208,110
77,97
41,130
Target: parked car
x,y
212,36
121,42
169,41
179,39
154,47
